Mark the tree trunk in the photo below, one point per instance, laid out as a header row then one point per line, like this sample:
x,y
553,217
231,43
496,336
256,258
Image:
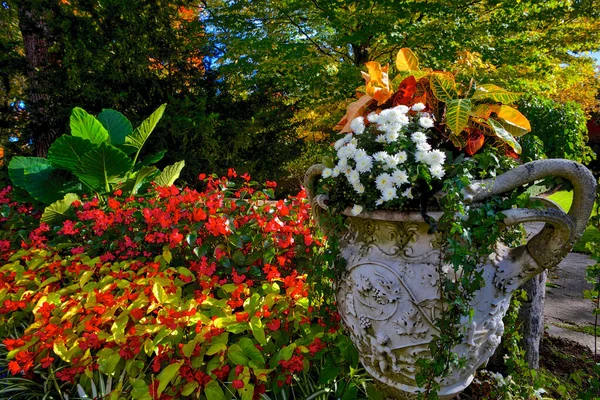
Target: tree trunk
x,y
37,40
360,53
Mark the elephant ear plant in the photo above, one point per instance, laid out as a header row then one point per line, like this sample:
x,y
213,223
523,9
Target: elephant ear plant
x,y
100,155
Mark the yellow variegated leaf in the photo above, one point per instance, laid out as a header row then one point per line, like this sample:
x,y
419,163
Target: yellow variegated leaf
x,y
443,87
518,122
406,60
496,93
504,135
457,115
481,111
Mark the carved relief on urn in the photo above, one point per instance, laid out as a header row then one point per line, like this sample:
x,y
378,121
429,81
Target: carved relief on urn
x,y
389,297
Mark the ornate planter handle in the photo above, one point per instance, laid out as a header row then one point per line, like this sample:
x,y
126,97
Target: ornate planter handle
x,y
562,230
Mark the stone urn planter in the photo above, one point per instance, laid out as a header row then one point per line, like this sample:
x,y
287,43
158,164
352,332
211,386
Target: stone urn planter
x,y
389,297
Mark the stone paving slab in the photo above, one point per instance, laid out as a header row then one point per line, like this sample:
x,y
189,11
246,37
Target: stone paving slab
x,y
564,300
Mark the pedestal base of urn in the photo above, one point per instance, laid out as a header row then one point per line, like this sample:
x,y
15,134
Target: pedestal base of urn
x,y
411,393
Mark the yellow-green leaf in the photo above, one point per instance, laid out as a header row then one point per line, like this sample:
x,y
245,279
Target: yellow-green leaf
x,y
481,111
213,391
236,355
496,93
189,388
159,292
61,350
258,330
166,376
504,135
118,329
457,115
443,87
216,348
56,211
167,255
406,60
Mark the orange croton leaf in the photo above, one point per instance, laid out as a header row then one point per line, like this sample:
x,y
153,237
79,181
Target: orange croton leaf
x,y
355,109
475,141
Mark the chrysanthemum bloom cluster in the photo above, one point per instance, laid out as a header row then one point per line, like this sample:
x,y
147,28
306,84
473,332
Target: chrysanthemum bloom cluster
x,y
386,156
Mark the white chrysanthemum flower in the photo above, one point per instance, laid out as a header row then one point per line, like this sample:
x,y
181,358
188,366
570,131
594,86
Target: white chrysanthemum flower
x,y
435,157
423,146
358,125
379,202
342,141
389,193
420,156
359,188
408,193
364,164
401,157
380,156
356,210
335,172
360,153
392,136
399,177
392,161
380,139
353,177
418,107
342,163
418,137
401,108
437,171
426,122
327,172
347,151
347,171
373,117
383,181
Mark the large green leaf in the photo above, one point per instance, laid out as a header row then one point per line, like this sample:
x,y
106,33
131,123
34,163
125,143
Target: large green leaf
x,y
457,115
443,87
133,184
87,126
117,125
103,165
35,175
170,174
504,135
154,158
496,93
56,211
139,136
66,152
